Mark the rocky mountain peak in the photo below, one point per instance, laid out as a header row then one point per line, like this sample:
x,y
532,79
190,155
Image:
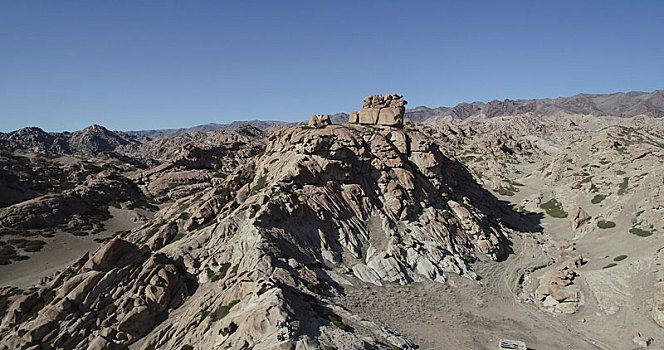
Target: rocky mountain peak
x,y
385,110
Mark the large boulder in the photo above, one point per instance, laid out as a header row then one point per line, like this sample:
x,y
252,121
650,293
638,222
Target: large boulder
x,y
115,253
319,120
579,217
369,116
387,110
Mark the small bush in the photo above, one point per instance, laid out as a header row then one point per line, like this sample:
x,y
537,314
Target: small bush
x,y
176,238
469,258
639,232
623,186
222,311
260,184
620,258
597,199
319,288
221,274
554,208
603,224
610,265
504,192
336,320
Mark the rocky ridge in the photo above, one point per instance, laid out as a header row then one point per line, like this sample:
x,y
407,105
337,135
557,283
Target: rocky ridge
x,y
320,208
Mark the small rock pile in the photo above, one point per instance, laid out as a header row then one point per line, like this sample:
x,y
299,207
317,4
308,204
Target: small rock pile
x,y
385,110
557,290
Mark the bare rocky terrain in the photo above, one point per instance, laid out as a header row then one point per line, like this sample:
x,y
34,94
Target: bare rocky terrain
x,y
535,221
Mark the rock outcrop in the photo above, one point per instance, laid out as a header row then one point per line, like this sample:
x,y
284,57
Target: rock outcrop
x,y
579,217
557,291
385,110
319,120
107,301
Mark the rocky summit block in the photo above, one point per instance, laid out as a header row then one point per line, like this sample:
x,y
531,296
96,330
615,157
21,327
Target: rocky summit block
x,y
319,120
385,110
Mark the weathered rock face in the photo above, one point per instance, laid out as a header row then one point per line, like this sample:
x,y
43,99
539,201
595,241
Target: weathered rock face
x,y
114,297
96,191
321,207
319,120
385,110
199,162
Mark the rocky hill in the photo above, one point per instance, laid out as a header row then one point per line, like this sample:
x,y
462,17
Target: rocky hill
x,y
275,240
92,140
378,233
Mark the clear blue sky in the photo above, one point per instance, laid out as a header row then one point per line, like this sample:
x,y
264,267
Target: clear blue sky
x,y
164,64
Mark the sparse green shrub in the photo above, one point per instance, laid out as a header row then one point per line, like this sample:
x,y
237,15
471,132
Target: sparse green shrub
x,y
207,224
222,311
221,274
128,306
504,192
639,232
187,347
620,258
469,258
319,288
623,186
620,172
260,184
597,199
176,238
554,208
603,224
610,265
336,320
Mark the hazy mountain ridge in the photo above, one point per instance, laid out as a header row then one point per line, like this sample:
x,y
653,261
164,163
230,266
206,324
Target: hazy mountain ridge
x,y
619,104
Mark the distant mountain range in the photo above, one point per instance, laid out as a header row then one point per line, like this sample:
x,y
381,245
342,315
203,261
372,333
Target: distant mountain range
x,y
265,125
618,104
98,139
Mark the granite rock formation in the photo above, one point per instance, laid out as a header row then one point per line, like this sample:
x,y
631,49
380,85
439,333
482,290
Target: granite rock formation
x,y
319,120
385,110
